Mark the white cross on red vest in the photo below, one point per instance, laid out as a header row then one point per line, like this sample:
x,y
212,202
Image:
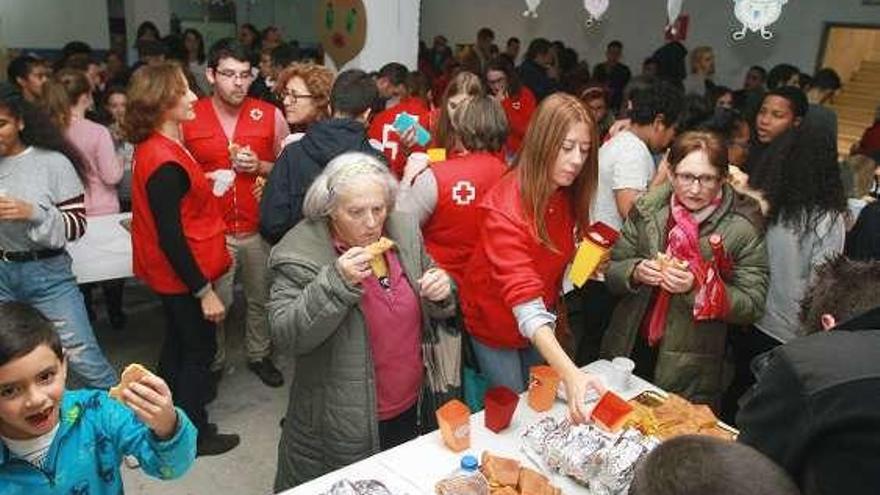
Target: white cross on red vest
x,y
463,193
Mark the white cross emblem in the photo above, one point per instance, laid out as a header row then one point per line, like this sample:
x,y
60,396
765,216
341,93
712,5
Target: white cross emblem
x,y
463,193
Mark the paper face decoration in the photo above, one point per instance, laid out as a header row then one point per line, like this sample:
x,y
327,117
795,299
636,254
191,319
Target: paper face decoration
x,y
595,10
757,16
532,8
342,28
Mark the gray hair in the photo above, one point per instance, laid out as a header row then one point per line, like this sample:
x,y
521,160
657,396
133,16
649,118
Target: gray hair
x,y
339,175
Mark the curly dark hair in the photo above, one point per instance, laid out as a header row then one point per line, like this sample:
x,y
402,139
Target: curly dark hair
x,y
39,131
843,288
800,177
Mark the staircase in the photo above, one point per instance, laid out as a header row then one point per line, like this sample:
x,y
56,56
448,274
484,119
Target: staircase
x,y
856,104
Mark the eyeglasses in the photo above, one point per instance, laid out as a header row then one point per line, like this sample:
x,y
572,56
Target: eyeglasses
x,y
295,97
228,74
688,180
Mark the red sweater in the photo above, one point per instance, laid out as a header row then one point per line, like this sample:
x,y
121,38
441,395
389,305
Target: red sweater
x,y
519,110
510,266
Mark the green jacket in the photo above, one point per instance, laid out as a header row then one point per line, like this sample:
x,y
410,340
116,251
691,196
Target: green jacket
x,y
691,354
331,415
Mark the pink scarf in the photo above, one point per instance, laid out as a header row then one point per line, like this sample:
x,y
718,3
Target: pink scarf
x,y
683,242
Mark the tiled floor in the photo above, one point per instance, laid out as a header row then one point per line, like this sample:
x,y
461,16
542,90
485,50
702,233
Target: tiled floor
x,y
244,405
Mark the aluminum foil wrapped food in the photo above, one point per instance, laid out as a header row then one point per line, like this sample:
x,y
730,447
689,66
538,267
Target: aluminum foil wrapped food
x,y
603,462
359,487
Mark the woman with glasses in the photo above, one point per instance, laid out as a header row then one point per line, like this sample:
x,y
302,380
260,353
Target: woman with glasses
x,y
655,322
518,101
304,89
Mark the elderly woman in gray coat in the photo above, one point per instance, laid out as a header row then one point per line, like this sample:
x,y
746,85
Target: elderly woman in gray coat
x,y
356,323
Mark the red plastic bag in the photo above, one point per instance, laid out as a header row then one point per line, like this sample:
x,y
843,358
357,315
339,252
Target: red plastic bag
x,y
710,302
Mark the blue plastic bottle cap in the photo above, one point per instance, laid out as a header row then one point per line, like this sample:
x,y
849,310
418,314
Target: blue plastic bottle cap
x,y
469,463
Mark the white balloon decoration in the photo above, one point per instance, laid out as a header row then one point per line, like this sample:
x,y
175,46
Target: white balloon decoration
x,y
595,10
756,16
532,8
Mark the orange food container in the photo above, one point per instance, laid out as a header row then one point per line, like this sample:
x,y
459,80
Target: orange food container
x,y
543,382
454,419
611,411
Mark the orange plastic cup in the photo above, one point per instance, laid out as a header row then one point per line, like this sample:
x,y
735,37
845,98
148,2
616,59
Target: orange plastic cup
x,y
543,382
454,419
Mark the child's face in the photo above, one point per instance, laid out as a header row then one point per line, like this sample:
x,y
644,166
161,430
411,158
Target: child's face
x,y
30,393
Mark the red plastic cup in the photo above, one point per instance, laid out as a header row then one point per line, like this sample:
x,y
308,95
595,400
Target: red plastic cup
x,y
500,404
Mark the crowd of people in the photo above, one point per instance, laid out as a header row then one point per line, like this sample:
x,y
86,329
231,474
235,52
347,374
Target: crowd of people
x,y
251,161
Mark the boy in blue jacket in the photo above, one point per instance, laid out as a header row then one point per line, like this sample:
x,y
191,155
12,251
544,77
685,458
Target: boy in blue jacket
x,y
72,442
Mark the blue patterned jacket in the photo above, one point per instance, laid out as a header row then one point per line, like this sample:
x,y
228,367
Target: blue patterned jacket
x,y
95,433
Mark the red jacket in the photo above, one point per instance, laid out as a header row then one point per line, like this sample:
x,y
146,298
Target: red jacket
x,y
199,215
381,131
205,139
453,229
510,266
519,110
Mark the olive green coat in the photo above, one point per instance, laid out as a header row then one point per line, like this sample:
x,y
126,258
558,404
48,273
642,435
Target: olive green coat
x,y
691,353
331,416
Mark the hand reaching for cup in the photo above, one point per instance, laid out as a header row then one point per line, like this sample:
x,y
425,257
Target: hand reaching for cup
x,y
579,386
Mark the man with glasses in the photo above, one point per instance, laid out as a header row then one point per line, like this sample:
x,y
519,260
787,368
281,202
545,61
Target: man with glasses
x,y
242,135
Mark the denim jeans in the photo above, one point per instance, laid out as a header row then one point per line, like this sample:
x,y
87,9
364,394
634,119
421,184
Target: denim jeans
x,y
49,286
506,367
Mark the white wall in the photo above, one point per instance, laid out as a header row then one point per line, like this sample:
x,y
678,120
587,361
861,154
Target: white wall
x,y
639,25
52,23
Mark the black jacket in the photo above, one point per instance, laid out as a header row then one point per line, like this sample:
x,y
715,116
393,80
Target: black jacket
x,y
815,409
535,77
298,166
863,241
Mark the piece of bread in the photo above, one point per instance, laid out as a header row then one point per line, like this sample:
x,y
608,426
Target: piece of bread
x,y
500,471
504,490
534,483
377,264
132,373
380,246
665,261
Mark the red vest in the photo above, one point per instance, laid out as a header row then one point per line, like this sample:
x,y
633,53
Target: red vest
x,y
205,139
454,227
382,132
510,266
199,215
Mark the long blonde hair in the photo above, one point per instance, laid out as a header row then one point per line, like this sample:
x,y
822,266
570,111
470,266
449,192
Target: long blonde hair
x,y
548,127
